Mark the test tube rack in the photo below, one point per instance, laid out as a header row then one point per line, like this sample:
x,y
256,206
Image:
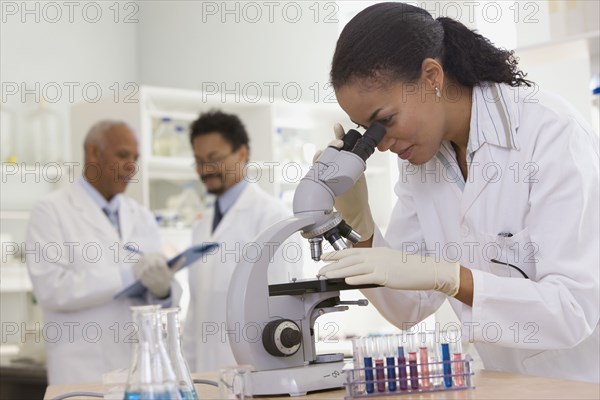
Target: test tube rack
x,y
368,382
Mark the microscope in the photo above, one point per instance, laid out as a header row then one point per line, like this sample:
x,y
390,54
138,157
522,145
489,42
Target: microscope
x,y
271,327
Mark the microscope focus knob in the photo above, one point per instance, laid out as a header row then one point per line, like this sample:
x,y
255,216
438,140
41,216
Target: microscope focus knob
x,y
282,338
290,337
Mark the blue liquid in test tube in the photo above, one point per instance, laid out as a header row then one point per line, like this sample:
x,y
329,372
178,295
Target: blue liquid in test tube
x,y
447,365
369,374
391,373
390,361
414,371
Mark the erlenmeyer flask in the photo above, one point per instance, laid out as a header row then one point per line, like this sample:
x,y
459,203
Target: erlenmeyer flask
x,y
151,375
173,339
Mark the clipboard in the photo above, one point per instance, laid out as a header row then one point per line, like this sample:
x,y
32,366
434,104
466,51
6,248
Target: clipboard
x,y
180,261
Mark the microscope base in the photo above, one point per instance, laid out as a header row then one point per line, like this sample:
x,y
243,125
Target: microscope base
x,y
298,381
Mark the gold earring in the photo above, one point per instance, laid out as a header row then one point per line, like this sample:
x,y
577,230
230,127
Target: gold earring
x,y
437,92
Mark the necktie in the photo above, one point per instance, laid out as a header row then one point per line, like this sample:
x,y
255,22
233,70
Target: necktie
x,y
113,217
218,216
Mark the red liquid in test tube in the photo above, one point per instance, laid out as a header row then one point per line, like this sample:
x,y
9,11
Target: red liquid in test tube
x,y
380,375
381,346
424,361
402,368
457,361
459,370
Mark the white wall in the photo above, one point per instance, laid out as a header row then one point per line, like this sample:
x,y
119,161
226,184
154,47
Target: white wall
x,y
198,45
36,50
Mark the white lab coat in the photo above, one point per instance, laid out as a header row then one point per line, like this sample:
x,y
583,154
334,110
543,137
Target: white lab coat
x,y
205,341
75,271
546,325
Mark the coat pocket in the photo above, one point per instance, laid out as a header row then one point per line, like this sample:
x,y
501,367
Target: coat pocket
x,y
510,255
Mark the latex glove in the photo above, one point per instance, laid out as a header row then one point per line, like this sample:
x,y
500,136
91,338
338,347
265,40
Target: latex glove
x,y
393,269
154,273
354,204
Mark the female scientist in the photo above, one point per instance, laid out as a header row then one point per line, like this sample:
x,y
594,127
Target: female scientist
x,y
497,196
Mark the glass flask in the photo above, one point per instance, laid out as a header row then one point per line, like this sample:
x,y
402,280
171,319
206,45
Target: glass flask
x,y
171,332
151,375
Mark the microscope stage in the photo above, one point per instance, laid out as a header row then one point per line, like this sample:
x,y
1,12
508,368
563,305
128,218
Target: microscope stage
x,y
313,286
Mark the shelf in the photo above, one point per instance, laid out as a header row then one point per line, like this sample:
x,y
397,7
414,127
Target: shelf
x,y
172,168
174,115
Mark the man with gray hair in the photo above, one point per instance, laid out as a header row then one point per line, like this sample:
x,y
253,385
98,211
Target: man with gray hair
x,y
85,243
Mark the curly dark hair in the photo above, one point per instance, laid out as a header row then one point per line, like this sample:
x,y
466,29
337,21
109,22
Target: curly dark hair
x,y
228,125
391,40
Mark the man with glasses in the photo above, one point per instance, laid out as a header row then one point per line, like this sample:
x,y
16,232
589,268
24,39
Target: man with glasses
x,y
242,210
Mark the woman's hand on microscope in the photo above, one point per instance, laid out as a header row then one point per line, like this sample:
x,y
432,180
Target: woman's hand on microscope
x,y
393,269
354,204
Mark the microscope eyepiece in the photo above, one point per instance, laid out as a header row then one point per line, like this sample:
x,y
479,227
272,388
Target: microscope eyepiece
x,y
350,139
365,147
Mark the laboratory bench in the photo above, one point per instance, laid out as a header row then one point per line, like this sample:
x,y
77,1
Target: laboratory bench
x,y
488,385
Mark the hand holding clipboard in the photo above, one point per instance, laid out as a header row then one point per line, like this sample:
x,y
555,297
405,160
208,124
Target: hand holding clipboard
x,y
180,261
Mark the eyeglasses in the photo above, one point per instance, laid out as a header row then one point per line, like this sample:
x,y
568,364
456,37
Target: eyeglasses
x,y
217,160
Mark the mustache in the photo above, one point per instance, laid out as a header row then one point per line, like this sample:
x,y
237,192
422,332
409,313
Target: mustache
x,y
207,176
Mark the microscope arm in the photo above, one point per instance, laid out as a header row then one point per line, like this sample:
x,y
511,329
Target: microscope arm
x,y
250,308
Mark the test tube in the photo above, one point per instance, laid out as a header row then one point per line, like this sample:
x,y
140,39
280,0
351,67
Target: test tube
x,y
447,366
412,361
457,364
381,344
402,365
435,362
358,354
368,362
424,360
390,361
467,370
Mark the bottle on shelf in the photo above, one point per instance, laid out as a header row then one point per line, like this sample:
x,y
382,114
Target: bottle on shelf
x,y
165,142
185,148
44,136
